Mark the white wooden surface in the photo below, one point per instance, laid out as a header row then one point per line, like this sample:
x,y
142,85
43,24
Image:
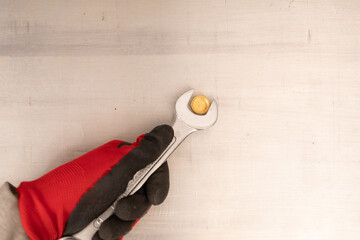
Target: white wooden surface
x,y
282,162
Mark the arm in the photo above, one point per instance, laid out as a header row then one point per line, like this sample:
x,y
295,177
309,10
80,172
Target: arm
x,y
10,223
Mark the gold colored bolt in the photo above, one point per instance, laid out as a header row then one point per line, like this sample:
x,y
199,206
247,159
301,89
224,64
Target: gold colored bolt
x,y
200,105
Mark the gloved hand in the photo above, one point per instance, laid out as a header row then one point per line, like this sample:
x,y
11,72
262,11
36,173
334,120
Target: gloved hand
x,y
68,198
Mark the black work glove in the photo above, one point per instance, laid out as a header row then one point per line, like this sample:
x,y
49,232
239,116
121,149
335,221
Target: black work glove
x,y
67,199
130,209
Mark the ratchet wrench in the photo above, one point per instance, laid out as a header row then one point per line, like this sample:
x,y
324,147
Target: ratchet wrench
x,y
185,123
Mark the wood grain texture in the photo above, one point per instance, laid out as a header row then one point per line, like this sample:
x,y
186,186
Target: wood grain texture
x,y
283,160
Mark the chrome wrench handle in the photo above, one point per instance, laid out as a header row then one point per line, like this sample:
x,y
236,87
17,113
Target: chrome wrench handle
x,y
181,131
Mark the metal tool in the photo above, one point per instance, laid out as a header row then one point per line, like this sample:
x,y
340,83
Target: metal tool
x,y
185,123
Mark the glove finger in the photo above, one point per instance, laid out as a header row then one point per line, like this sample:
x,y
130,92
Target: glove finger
x,y
114,228
132,207
151,146
158,184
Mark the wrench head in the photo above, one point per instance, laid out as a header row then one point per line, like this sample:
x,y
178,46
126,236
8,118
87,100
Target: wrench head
x,y
198,122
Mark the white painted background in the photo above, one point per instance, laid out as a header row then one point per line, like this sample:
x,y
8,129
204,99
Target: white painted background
x,y
283,161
